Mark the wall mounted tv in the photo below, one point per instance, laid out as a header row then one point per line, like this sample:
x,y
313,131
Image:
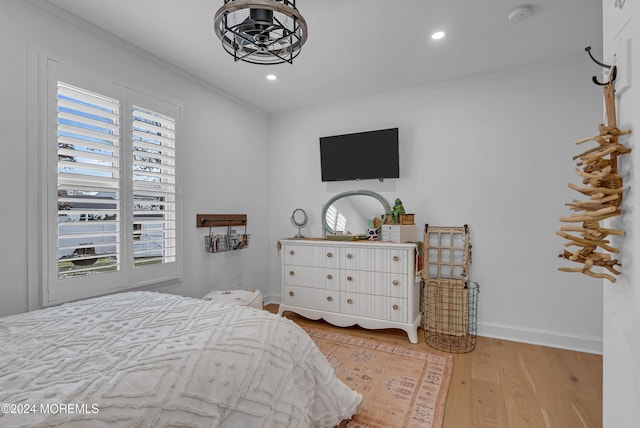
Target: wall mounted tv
x,y
360,156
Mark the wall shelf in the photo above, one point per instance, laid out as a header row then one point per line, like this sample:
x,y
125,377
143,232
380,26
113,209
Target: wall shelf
x,y
220,220
222,242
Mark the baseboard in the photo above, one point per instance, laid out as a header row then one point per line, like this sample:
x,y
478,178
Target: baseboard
x,y
552,338
268,299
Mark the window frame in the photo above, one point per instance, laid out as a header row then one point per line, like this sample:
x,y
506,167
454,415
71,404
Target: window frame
x,y
55,290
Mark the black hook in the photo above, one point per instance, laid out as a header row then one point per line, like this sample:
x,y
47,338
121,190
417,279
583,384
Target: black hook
x,y
614,71
588,50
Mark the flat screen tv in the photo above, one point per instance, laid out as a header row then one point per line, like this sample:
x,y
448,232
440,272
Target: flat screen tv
x,y
360,156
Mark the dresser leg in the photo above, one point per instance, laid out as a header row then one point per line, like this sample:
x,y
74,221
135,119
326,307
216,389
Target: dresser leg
x,y
413,335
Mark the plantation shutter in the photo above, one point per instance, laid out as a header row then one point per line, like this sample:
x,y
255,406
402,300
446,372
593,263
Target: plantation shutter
x,y
111,185
89,208
154,187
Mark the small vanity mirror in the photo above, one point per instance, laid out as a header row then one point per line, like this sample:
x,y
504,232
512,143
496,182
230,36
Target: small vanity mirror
x,y
299,219
349,212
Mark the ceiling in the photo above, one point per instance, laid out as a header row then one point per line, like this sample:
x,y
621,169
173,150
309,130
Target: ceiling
x,y
356,48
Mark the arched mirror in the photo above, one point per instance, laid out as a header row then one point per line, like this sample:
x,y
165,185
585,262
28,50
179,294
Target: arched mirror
x,y
349,212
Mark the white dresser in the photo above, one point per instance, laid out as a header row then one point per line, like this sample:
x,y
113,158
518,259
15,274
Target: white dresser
x,y
372,284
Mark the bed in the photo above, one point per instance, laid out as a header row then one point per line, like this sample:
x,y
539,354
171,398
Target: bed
x,y
146,359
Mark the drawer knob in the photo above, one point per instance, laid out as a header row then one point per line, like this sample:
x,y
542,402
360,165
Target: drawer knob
x,y
349,301
396,258
329,298
396,282
292,252
291,293
395,307
349,278
292,273
349,256
329,276
329,255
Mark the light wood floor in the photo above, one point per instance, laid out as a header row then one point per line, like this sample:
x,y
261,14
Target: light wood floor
x,y
507,384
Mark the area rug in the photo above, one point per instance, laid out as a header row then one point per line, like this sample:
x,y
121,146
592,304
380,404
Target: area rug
x,y
402,387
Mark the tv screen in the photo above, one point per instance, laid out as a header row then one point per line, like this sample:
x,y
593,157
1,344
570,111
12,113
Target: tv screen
x,y
360,156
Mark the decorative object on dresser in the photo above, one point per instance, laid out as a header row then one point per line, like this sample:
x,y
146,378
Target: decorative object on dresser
x,y
406,218
399,226
372,284
351,212
603,185
372,233
450,299
396,211
228,241
399,233
299,219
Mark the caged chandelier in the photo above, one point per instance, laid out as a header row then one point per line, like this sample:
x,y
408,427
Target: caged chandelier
x,y
261,31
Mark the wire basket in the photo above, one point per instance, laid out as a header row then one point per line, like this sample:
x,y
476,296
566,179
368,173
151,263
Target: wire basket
x,y
451,313
222,243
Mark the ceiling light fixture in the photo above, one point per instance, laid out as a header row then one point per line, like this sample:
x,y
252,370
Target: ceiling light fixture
x,y
261,31
272,77
438,35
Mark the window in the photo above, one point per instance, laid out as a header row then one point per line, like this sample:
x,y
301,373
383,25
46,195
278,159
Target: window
x,y
154,187
89,208
111,215
336,220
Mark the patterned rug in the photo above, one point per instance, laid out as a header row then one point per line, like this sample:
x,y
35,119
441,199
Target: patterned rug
x,y
402,387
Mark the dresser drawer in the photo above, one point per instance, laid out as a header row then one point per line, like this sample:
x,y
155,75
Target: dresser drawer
x,y
394,285
379,307
312,298
357,304
397,310
299,275
390,308
307,276
357,281
401,261
364,258
304,255
376,259
376,283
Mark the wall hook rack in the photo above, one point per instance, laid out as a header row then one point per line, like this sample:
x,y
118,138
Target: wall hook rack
x,y
614,70
230,240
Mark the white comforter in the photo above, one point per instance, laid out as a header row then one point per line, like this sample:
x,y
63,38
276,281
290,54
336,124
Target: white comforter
x,y
144,359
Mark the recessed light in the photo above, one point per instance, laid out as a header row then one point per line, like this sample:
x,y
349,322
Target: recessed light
x,y
438,35
271,77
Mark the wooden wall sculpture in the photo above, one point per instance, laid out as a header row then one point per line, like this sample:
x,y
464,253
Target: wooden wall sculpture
x,y
603,186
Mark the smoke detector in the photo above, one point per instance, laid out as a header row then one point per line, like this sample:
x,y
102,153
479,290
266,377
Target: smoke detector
x,y
520,13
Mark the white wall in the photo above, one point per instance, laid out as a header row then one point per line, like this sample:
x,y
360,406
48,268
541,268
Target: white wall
x,y
225,168
492,152
622,300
